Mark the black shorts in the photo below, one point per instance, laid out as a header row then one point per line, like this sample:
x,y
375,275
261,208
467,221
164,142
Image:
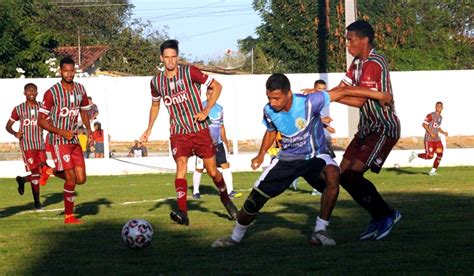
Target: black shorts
x,y
279,175
221,157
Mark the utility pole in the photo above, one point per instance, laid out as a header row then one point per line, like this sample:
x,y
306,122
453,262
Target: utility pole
x,y
353,113
251,55
79,46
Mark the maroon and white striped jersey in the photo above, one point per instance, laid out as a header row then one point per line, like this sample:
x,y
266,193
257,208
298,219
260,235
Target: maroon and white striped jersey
x,y
32,133
433,120
181,96
63,107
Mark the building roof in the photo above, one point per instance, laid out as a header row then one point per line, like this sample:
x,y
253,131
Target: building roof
x,y
89,54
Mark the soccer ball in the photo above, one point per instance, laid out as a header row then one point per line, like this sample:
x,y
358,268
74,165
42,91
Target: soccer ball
x,y
137,233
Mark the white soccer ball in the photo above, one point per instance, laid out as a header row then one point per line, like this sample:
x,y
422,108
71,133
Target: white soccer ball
x,y
137,233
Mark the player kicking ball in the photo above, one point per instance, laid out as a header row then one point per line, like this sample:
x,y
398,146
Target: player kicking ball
x,y
433,144
304,153
32,146
179,87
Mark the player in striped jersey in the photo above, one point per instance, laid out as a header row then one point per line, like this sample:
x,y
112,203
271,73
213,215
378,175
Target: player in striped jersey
x,y
179,87
63,103
432,126
367,82
32,145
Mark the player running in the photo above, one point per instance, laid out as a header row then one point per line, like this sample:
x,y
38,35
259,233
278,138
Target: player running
x,y
63,103
303,153
179,87
367,82
432,126
219,138
32,147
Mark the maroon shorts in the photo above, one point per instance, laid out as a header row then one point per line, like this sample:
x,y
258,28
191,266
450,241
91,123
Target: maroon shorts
x,y
433,146
196,143
67,156
33,159
372,151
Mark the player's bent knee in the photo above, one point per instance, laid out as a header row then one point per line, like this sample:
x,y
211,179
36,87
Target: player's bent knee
x,y
348,178
254,202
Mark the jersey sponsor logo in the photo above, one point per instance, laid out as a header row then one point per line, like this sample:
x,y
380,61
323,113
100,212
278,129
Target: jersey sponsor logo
x,y
65,112
300,123
30,160
30,122
67,158
175,99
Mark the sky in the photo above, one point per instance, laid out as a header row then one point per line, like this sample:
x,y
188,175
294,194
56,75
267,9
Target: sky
x,y
204,28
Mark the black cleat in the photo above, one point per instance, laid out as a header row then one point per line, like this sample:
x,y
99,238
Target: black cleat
x,y
231,209
38,206
179,217
21,184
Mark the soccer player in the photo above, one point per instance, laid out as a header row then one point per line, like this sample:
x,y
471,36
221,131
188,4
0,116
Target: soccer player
x,y
367,86
63,103
32,145
179,87
432,126
219,138
303,153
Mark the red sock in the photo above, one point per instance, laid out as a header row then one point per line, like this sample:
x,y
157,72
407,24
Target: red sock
x,y
68,196
181,186
28,178
437,160
222,189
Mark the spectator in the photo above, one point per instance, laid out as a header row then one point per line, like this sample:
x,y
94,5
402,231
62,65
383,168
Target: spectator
x,y
138,150
98,140
82,136
93,112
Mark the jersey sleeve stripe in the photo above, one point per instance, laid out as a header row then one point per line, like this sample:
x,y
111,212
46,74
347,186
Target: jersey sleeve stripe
x,y
347,80
44,111
13,120
87,107
209,81
155,99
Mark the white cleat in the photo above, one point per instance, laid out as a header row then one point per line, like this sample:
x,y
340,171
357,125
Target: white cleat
x,y
322,237
413,155
224,242
433,174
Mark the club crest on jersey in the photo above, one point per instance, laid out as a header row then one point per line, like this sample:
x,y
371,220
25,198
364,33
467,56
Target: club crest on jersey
x,y
174,151
67,158
180,194
300,123
175,99
30,160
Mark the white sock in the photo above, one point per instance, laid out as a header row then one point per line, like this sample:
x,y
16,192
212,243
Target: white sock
x,y
238,232
321,224
433,170
229,182
196,181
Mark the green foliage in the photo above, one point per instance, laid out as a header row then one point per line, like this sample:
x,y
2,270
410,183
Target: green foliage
x,y
414,35
31,30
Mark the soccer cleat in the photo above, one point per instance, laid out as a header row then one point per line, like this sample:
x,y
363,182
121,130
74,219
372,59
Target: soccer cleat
x,y
233,194
46,172
433,174
371,231
224,242
179,217
71,219
413,155
197,196
294,184
386,225
21,184
322,237
231,209
315,192
38,206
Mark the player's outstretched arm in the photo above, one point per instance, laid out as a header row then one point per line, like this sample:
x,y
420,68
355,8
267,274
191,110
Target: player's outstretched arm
x,y
216,88
154,110
442,132
267,141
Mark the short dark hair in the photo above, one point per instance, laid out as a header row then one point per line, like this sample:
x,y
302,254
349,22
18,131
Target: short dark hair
x,y
169,44
362,29
320,82
66,60
99,125
439,103
278,81
30,85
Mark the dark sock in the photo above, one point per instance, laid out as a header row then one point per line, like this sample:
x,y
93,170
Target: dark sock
x,y
365,194
181,186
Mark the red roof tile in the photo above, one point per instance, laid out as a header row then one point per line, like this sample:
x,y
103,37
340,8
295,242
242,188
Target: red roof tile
x,y
89,54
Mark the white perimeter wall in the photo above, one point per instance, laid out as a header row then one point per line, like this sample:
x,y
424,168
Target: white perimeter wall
x,y
124,102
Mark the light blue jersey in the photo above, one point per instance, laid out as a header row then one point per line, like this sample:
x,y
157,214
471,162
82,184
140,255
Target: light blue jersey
x,y
301,128
217,120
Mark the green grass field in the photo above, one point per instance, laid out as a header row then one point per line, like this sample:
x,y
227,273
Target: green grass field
x,y
435,235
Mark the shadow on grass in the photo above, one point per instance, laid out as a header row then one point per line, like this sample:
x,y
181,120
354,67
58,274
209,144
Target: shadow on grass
x,y
277,243
91,208
400,171
49,199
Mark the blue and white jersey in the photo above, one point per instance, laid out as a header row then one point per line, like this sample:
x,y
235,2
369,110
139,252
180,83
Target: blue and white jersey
x,y
301,128
217,119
